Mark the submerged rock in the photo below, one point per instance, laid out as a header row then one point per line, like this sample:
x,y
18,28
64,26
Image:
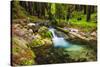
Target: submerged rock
x,y
82,55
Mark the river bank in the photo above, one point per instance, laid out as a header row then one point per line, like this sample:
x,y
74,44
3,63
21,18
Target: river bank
x,y
47,49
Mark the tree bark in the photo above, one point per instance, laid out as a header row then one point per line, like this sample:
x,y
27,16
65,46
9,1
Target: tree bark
x,y
89,13
84,9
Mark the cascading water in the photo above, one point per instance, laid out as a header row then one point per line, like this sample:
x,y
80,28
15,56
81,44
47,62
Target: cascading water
x,y
62,43
58,41
52,30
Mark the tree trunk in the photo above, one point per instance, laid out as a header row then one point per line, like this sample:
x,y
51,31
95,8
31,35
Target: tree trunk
x,y
68,13
89,13
84,9
92,9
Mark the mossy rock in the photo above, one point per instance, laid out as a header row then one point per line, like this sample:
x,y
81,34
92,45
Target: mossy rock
x,y
37,43
21,54
61,29
44,32
43,29
41,42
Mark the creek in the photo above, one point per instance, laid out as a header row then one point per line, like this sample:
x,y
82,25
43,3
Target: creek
x,y
60,42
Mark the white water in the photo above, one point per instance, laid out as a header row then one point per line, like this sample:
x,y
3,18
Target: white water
x,y
61,42
52,30
58,41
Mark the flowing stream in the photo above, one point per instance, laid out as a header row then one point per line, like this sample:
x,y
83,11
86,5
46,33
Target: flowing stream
x,y
62,43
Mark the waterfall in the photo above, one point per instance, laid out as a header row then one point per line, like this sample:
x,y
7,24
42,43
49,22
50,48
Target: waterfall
x,y
52,30
62,43
58,41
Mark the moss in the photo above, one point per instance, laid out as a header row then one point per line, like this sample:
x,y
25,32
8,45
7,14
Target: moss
x,y
37,43
43,29
27,62
44,32
21,54
61,29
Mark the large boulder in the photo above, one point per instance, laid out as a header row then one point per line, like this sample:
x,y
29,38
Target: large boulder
x,y
21,54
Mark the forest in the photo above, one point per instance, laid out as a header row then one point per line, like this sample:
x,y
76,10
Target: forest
x,y
51,33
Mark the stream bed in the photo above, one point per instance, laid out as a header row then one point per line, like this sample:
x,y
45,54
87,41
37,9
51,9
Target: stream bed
x,y
76,52
60,42
63,51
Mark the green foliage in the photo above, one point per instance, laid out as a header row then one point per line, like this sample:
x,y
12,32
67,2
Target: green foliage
x,y
18,11
49,34
27,62
84,26
94,17
43,31
53,8
37,42
76,14
62,23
